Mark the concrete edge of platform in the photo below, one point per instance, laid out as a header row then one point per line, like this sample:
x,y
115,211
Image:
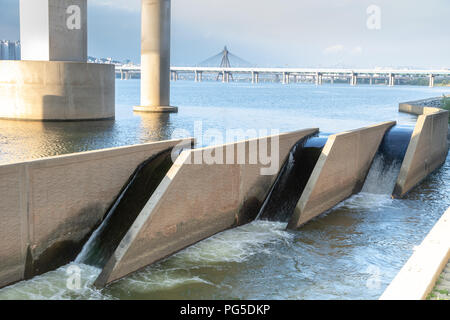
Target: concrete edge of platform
x,y
418,276
158,109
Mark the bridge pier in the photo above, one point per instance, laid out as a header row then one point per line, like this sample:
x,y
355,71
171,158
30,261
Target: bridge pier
x,y
431,77
255,77
225,76
354,79
371,80
155,57
286,77
391,80
319,79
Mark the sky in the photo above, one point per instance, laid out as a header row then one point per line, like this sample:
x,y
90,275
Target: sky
x,y
278,33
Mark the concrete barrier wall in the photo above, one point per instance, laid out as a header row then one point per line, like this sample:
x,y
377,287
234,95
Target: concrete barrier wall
x,y
43,90
419,275
196,201
340,171
49,207
419,107
427,150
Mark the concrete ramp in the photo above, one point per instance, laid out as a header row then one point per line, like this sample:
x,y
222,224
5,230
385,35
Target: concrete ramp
x,y
50,206
197,199
340,171
427,150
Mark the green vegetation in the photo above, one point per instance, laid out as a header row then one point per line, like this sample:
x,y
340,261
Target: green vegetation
x,y
444,83
439,294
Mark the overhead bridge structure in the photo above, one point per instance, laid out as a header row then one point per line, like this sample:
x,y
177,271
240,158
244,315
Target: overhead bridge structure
x,y
318,76
227,67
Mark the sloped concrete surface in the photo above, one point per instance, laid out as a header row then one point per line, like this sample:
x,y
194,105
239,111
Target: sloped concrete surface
x,y
427,150
48,207
340,171
196,201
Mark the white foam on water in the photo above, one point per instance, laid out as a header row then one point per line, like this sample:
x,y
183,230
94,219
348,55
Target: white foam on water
x,y
236,245
158,279
377,189
55,285
381,178
231,246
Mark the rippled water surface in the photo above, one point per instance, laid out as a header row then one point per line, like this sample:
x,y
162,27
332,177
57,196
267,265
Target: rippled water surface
x,y
351,252
219,106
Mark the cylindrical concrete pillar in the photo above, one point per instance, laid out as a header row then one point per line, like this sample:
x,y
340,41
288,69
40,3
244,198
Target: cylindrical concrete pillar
x,y
391,79
431,77
155,57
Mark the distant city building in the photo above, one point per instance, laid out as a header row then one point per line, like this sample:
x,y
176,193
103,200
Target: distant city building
x,y
4,51
10,50
106,61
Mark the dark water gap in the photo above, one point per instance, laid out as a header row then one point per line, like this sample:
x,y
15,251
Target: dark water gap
x,y
292,179
125,209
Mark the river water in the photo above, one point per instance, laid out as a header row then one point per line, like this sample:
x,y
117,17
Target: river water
x,y
351,252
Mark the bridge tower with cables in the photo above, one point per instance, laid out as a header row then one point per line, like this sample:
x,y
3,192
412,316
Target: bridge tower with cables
x,y
225,59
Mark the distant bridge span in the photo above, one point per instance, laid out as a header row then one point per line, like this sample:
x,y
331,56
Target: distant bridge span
x,y
293,74
225,64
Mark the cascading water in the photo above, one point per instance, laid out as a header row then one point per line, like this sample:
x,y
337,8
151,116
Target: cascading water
x,y
125,209
330,258
294,175
291,181
386,166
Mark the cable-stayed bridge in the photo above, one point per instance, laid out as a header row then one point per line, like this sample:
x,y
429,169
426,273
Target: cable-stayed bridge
x,y
222,67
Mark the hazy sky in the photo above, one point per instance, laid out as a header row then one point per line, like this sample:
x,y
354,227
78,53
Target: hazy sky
x,y
274,32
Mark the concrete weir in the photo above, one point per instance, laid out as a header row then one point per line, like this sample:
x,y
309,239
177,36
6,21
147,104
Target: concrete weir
x,y
428,148
197,199
49,207
340,171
